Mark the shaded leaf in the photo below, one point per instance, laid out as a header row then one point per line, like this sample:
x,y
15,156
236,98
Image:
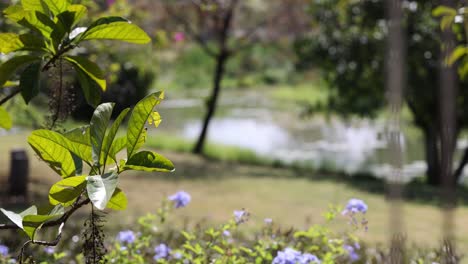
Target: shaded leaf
x,y
89,87
149,161
100,189
98,126
67,190
29,81
109,139
8,68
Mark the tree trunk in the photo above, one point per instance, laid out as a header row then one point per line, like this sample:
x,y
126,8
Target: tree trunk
x,y
212,102
432,157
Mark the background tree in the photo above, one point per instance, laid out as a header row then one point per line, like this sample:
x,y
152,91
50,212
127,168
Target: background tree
x,y
220,29
349,46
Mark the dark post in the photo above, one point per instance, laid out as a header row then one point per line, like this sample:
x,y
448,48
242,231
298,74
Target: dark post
x,y
19,173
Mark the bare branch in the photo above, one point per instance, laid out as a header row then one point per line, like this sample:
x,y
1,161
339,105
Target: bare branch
x,y
8,97
191,32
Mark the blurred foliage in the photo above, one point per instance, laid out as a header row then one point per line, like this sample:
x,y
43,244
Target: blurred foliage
x,y
349,45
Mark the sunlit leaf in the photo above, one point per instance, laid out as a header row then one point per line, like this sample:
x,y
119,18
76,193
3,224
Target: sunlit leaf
x,y
52,147
109,139
136,125
80,142
67,190
5,119
57,6
90,68
118,200
31,223
116,28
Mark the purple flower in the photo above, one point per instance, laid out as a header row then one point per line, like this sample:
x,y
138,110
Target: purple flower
x,y
127,236
180,199
162,251
268,221
49,250
177,255
4,250
239,216
353,255
292,256
307,258
226,233
110,2
355,206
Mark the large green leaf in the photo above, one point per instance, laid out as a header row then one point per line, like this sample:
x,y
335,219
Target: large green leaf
x,y
109,139
98,126
115,28
89,87
39,22
8,68
29,81
15,13
57,6
5,119
80,143
34,5
67,190
10,42
149,161
117,146
136,125
118,200
79,12
100,189
52,147
90,68
31,223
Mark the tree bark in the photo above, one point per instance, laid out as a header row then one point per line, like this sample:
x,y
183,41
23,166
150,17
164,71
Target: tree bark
x,y
212,102
433,172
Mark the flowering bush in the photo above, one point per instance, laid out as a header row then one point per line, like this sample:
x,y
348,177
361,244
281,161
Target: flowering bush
x,y
153,240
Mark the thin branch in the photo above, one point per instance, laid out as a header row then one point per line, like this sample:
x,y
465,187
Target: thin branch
x,y
191,32
63,219
8,97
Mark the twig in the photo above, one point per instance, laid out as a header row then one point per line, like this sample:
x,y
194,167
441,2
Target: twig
x,y
8,97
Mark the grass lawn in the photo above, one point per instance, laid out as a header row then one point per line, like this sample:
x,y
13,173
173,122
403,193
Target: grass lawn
x,y
289,197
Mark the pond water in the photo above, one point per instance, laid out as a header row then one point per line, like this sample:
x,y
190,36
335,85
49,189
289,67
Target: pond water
x,y
247,119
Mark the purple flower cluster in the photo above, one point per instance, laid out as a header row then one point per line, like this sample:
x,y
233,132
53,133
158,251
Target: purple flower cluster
x,y
241,216
127,236
355,206
161,252
351,249
4,250
180,199
292,256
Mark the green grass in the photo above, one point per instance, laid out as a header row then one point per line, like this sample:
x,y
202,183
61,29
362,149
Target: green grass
x,y
312,92
291,197
212,151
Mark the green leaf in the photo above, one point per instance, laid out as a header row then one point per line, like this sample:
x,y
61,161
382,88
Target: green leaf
x,y
5,119
118,200
149,161
98,126
31,223
100,189
67,190
79,12
90,68
90,88
39,22
15,13
109,139
57,6
34,5
80,143
444,11
459,52
17,219
9,42
136,125
29,81
8,68
52,147
117,146
116,28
